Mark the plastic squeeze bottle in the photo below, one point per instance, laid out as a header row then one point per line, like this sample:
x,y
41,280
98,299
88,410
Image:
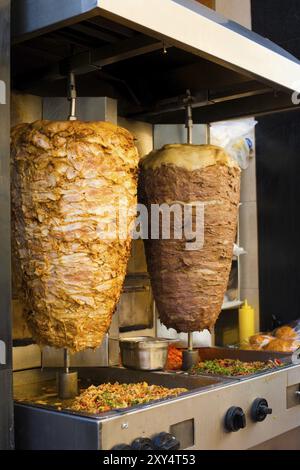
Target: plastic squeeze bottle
x,y
246,322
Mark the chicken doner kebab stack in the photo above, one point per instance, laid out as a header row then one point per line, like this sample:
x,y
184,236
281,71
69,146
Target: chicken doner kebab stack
x,y
189,284
67,179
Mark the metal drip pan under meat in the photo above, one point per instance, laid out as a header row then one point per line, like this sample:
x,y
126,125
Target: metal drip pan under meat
x,y
278,360
38,388
43,421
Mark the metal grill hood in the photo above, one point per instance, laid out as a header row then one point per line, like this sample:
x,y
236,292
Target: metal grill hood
x,y
240,65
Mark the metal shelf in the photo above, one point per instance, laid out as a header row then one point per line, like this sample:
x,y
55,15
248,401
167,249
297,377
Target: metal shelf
x,y
232,304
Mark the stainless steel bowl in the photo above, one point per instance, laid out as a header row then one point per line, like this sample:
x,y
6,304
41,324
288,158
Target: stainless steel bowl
x,y
144,352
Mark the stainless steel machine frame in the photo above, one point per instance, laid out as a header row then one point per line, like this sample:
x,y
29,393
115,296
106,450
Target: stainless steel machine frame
x,y
196,418
231,72
6,419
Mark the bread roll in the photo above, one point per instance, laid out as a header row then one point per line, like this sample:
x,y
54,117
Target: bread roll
x,y
261,340
280,345
286,333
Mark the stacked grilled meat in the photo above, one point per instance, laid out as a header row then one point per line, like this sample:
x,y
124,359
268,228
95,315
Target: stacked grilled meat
x,y
73,204
189,285
72,185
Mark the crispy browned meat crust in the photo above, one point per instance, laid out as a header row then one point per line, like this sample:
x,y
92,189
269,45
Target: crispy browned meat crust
x,y
189,286
63,175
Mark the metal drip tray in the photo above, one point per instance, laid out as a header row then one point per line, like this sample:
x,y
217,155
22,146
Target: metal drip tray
x,y
208,354
40,423
38,388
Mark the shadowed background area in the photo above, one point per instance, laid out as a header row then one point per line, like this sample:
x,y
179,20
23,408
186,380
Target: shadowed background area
x,y
278,171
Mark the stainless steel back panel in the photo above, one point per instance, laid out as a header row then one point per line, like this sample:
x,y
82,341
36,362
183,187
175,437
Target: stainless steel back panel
x,y
88,109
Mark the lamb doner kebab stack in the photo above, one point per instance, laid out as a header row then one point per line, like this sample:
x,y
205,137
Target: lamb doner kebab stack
x,y
66,179
189,285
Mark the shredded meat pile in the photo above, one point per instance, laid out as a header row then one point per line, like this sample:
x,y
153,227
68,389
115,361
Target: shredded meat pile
x,y
232,367
108,396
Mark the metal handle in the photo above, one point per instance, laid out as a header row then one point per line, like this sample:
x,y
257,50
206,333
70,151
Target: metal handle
x,y
297,394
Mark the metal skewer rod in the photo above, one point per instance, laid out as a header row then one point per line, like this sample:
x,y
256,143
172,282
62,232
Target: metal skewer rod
x,y
68,381
189,116
190,341
66,360
189,127
72,95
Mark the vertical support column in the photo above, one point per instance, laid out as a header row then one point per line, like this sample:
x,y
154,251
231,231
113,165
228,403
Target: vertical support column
x,y
6,404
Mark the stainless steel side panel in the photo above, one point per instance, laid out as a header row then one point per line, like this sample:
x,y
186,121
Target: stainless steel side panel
x,y
6,423
5,291
38,429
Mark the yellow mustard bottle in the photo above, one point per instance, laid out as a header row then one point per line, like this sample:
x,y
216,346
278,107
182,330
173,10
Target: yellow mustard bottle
x,y
246,322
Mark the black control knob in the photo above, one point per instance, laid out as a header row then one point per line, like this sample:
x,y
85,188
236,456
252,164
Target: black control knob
x,y
142,443
165,441
260,410
122,447
235,419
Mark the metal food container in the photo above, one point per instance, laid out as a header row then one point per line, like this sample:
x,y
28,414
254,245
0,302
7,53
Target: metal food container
x,y
144,352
